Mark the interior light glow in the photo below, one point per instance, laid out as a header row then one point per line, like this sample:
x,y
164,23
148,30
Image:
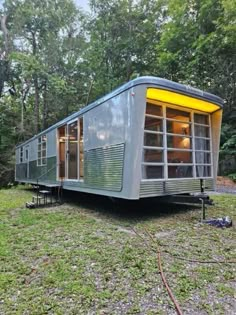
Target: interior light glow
x,y
181,100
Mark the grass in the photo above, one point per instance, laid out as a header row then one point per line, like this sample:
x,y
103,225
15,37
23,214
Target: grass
x,y
93,257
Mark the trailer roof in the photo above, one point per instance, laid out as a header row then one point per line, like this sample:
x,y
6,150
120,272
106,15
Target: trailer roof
x,y
147,80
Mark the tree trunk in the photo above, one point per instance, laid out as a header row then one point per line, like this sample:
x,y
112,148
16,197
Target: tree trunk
x,y
4,53
5,35
45,107
36,88
36,104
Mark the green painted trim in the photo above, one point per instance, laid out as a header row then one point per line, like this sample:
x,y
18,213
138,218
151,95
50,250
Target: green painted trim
x,y
36,171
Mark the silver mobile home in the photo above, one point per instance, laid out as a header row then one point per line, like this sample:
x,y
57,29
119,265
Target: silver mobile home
x,y
150,137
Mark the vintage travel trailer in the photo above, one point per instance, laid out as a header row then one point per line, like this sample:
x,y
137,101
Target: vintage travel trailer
x,y
150,137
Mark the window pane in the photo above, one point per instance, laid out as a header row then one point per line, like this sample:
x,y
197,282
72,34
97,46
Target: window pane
x,y
153,124
73,151
177,114
180,171
43,161
202,144
153,140
203,171
201,119
153,155
203,157
151,171
178,127
179,157
44,145
44,153
39,140
179,142
153,110
201,131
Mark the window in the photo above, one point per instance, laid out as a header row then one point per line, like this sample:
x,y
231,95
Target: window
x,y
27,153
72,154
62,151
202,145
153,153
21,155
179,143
176,144
42,150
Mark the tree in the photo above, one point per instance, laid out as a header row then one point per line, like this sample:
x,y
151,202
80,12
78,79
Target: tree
x,y
41,29
123,36
44,67
4,51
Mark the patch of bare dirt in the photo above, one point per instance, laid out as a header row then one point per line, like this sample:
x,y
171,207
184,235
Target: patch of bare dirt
x,y
225,185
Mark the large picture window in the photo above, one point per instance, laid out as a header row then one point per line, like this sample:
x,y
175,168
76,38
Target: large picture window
x,y
177,143
153,158
42,150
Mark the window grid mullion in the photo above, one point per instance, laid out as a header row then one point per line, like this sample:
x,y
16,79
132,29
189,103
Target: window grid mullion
x,y
203,125
180,121
153,116
153,163
153,132
204,138
178,149
152,148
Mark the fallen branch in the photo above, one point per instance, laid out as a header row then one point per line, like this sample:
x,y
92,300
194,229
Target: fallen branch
x,y
177,307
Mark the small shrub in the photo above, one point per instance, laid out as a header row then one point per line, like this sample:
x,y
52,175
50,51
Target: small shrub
x,y
232,176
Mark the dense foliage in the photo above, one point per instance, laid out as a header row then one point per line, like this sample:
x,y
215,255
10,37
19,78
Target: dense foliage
x,y
55,58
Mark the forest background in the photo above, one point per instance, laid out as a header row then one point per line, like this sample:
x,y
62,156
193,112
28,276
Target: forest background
x,y
56,58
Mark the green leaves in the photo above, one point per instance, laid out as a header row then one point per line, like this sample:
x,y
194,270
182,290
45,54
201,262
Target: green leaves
x,y
60,57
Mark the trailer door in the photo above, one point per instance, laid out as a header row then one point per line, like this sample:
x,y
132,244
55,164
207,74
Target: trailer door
x,y
72,150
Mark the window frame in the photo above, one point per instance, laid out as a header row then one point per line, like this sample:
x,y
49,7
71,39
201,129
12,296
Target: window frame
x,y
41,159
21,156
191,135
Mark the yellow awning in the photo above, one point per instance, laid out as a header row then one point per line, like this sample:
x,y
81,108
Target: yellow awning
x,y
181,100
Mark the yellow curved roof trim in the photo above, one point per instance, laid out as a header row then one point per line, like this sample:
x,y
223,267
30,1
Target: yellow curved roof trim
x,y
181,100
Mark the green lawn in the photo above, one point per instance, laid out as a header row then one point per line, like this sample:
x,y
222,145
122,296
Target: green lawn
x,y
93,257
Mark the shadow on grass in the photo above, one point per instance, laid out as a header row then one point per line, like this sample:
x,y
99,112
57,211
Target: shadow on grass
x,y
134,210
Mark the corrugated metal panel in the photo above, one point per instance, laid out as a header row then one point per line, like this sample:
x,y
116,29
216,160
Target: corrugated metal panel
x,y
209,184
21,171
151,189
103,167
182,186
